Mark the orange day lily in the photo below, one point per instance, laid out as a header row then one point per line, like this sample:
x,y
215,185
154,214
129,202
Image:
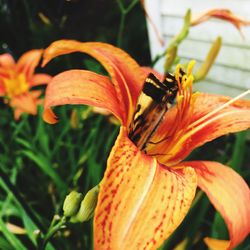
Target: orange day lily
x,y
16,80
223,14
145,196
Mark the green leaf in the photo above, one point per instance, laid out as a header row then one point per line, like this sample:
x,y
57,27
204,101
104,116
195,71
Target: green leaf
x,y
219,229
4,244
23,142
13,240
239,151
43,163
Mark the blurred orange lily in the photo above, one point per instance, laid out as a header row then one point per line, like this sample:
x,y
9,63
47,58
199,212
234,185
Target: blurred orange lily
x,y
16,80
145,196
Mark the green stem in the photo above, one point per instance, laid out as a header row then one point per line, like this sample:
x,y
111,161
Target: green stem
x,y
131,6
124,11
121,28
120,5
176,40
51,232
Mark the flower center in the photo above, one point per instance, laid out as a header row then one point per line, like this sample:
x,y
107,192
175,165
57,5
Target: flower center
x,y
164,143
15,84
152,104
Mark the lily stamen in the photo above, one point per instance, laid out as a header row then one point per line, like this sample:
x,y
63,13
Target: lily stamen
x,y
202,119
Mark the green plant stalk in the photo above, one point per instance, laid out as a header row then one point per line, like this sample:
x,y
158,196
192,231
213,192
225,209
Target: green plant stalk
x,y
175,42
51,232
170,58
131,6
124,11
121,28
184,31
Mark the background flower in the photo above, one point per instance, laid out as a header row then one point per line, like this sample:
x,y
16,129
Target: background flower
x,y
17,79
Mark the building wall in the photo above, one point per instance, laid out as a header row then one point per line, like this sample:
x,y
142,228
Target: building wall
x,y
231,73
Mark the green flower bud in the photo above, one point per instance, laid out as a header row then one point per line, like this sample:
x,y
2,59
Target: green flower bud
x,y
209,61
170,57
72,203
87,207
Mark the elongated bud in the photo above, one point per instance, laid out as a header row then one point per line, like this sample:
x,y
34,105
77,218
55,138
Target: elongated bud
x,y
72,203
209,61
87,207
171,51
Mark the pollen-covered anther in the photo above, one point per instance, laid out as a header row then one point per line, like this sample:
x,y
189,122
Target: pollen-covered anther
x,y
190,67
188,82
177,73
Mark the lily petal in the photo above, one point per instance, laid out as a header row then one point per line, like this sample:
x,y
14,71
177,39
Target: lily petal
x,y
201,127
25,103
229,194
39,79
2,89
140,202
6,61
81,87
29,61
126,74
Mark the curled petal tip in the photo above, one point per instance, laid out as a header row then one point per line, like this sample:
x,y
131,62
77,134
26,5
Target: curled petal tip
x,y
49,116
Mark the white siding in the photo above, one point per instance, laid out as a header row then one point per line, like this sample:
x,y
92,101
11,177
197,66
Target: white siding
x,y
230,75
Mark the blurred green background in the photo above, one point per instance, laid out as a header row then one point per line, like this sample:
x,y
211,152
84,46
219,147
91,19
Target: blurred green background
x,y
41,163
